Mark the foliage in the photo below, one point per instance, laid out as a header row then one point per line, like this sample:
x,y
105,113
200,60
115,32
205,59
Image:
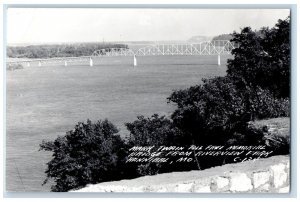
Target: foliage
x,y
204,110
274,141
215,112
256,87
66,50
263,58
222,37
212,112
91,153
279,144
155,131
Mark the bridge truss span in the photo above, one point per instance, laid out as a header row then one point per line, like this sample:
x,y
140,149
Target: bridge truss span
x,y
109,52
220,47
204,48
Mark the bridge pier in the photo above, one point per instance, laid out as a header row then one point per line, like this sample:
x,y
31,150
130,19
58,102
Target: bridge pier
x,y
213,48
134,61
91,62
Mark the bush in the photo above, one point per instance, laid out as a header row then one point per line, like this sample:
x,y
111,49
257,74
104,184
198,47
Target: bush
x,y
205,112
276,134
155,131
91,153
279,144
210,113
260,135
267,106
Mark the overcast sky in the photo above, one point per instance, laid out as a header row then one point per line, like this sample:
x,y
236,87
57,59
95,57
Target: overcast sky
x,y
52,25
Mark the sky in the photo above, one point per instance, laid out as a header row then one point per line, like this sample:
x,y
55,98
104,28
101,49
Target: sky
x,y
66,25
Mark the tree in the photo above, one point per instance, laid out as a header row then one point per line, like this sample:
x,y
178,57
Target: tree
x,y
222,37
91,153
48,51
262,59
217,113
255,87
208,113
154,131
277,44
157,131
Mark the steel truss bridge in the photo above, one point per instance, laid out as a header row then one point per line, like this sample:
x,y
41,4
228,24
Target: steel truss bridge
x,y
220,47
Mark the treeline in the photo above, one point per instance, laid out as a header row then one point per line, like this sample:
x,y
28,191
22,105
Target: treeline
x,y
216,112
64,50
223,37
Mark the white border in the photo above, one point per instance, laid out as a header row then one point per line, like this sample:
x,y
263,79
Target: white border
x,y
178,2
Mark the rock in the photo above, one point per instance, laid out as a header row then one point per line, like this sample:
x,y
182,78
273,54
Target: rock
x,y
279,175
184,187
264,188
202,189
284,190
161,189
114,188
149,189
269,177
260,178
288,166
240,182
219,183
135,189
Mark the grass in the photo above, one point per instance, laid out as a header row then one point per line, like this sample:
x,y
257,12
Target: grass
x,y
277,126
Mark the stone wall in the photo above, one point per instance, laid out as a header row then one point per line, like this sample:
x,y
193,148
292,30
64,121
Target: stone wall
x,y
271,175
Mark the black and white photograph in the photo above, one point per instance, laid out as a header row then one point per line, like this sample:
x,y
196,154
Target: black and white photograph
x,y
148,99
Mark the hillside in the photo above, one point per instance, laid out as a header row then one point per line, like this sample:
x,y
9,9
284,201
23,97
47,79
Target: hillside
x,y
222,37
195,39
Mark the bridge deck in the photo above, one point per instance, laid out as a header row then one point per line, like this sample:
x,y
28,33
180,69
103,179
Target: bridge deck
x,y
204,48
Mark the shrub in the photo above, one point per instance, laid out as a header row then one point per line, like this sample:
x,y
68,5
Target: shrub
x,y
155,131
279,144
210,113
260,135
205,112
276,134
91,153
267,106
